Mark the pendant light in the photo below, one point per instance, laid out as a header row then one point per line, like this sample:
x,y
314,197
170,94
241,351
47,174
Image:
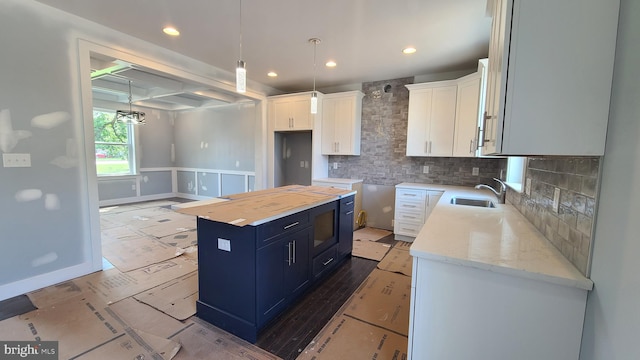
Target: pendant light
x,y
241,70
314,94
130,117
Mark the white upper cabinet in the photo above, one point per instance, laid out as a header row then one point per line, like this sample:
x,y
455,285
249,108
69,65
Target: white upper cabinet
x,y
432,115
549,76
341,123
291,112
467,114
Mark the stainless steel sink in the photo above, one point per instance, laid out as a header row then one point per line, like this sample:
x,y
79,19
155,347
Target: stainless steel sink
x,y
473,202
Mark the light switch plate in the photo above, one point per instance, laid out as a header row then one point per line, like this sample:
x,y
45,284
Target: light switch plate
x,y
335,165
425,169
556,199
475,171
224,244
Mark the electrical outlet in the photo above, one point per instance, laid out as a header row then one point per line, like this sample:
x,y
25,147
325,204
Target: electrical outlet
x,y
16,160
301,163
475,171
224,244
527,187
133,186
335,165
425,169
556,199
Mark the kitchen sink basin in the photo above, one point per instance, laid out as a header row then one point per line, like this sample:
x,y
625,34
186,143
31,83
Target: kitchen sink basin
x,y
473,202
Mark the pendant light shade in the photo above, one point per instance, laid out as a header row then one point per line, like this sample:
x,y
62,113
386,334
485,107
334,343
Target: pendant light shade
x,y
241,70
314,94
130,117
241,77
314,102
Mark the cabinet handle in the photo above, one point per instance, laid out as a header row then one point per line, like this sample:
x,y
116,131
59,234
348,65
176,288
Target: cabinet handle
x,y
349,213
294,252
426,147
486,117
429,147
482,130
471,146
407,194
289,254
338,146
349,203
327,262
479,142
291,225
409,206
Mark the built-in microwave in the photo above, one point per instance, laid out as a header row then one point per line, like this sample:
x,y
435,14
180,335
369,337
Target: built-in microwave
x,y
325,226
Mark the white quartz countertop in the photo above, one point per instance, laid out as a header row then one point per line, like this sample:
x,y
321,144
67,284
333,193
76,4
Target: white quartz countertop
x,y
496,239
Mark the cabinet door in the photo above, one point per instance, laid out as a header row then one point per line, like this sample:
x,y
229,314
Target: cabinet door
x,y
329,115
344,127
282,270
297,271
467,117
419,120
493,113
271,262
282,115
443,118
301,114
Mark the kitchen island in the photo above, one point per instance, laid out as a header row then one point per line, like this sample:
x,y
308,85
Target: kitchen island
x,y
259,251
488,285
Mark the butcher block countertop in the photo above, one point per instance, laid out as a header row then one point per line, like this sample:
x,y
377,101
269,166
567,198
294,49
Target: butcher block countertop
x,y
496,239
259,207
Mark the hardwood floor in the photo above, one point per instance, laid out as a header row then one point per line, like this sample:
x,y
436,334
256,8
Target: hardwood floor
x,y
291,332
288,334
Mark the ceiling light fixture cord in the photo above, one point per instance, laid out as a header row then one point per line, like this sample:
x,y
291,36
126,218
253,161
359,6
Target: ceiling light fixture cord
x,y
241,70
314,95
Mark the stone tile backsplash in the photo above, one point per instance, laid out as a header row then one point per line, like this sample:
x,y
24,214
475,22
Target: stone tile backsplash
x,y
569,229
383,159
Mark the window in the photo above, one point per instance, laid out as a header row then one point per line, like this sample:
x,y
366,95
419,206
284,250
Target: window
x,y
515,172
115,150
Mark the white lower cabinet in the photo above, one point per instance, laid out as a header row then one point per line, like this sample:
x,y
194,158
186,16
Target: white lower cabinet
x,y
413,205
466,312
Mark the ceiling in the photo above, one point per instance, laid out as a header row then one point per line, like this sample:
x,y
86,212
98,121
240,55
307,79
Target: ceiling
x,y
364,37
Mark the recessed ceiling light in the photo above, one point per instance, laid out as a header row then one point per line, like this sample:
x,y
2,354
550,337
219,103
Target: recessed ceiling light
x,y
331,64
171,31
408,50
272,74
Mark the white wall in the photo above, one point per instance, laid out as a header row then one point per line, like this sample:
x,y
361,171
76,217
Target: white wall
x,y
612,324
49,222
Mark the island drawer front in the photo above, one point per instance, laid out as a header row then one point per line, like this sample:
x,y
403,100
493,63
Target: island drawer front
x,y
347,203
325,260
407,228
410,194
288,224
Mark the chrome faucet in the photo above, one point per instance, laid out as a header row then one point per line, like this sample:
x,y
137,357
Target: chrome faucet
x,y
499,194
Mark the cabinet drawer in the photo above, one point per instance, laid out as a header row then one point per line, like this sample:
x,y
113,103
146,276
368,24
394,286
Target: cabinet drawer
x,y
410,194
347,204
417,206
285,225
407,228
325,260
409,215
